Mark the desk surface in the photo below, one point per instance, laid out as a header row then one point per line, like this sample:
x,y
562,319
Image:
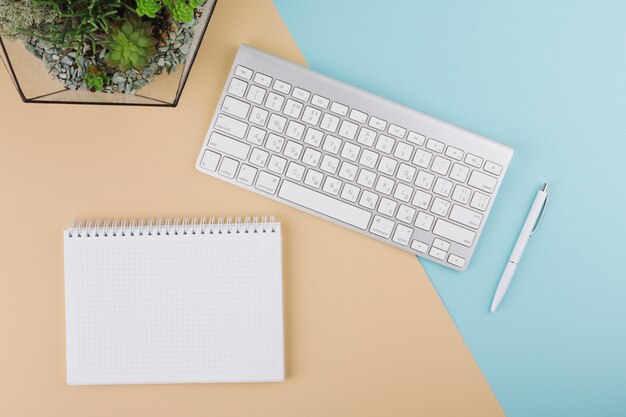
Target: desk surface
x,y
366,333
549,79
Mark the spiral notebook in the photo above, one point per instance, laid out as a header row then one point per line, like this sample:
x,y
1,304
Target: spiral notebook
x,y
174,302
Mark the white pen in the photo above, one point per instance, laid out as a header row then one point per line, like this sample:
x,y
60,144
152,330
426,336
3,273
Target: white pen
x,y
532,221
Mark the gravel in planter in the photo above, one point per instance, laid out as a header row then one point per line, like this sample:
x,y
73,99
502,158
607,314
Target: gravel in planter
x,y
172,50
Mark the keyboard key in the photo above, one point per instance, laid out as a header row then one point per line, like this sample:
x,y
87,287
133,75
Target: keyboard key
x,y
416,138
295,130
258,116
382,227
435,145
366,178
387,207
421,199
406,214
274,101
324,204
441,244
292,108
243,72
311,157
237,87
275,143
277,123
397,131
339,109
406,173
282,86
329,164
368,158
348,171
332,185
293,150
424,221
311,115
454,233
366,136
210,160
440,165
259,157
465,216
473,160
313,178
263,79
368,199
277,164
482,181
456,260
350,151
442,187
461,194
440,207
301,94
387,165
422,158
313,137
235,107
385,185
228,167
454,153
256,94
459,172
404,151
385,144
403,192
424,180
231,126
332,144
437,253
480,201
320,101
267,182
358,116
419,246
350,192
348,130
246,174
402,235
295,171
377,123
329,122
224,144
493,168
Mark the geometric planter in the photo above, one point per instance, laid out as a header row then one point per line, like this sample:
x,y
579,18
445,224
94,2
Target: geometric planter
x,y
40,75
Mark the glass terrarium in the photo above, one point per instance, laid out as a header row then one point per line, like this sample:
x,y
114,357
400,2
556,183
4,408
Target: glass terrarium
x,y
119,52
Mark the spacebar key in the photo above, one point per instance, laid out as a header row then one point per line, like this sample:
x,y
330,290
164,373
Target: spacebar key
x,y
321,203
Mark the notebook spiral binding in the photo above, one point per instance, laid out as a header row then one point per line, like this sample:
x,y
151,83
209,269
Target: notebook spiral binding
x,y
160,227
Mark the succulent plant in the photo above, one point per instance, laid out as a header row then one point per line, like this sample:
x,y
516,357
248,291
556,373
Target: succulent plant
x,y
130,45
182,10
148,8
96,78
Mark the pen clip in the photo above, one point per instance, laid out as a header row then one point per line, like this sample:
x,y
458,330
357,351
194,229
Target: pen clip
x,y
543,207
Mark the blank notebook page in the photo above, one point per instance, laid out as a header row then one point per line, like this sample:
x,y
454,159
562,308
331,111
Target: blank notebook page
x,y
174,308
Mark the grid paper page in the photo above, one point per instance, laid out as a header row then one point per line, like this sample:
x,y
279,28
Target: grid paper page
x,y
174,309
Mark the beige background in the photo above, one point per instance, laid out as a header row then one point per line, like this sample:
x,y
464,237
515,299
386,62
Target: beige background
x,y
366,334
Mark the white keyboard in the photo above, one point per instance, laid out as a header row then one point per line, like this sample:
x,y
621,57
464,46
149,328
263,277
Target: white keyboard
x,y
361,161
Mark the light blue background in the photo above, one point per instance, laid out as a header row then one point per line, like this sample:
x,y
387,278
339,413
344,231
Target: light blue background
x,y
548,78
